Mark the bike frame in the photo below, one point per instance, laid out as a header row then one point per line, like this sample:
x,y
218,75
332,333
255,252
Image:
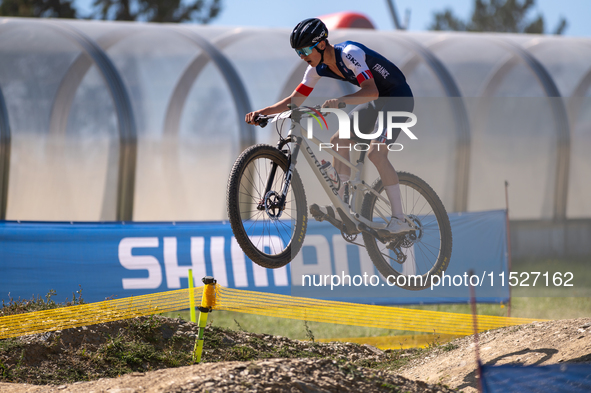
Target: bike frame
x,y
349,212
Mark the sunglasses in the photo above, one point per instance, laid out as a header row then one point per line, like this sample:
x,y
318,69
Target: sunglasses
x,y
306,50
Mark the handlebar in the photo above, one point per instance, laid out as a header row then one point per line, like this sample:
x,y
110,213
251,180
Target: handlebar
x,y
264,119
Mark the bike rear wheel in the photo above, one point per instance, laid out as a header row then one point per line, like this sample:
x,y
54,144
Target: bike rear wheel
x,y
418,254
268,233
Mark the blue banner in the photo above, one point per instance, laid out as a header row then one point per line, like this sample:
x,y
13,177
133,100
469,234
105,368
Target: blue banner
x,y
566,378
479,248
132,258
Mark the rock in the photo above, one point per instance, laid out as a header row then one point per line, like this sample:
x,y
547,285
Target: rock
x,y
373,349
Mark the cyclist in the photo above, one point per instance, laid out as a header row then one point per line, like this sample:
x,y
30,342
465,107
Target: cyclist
x,y
383,88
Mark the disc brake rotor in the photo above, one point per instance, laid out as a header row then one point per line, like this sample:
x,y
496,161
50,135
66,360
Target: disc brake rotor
x,y
406,240
272,205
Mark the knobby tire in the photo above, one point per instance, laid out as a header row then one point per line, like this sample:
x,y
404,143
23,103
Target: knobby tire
x,y
270,243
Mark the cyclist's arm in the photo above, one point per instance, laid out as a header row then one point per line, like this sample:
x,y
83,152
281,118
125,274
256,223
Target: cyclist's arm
x,y
281,106
369,92
295,98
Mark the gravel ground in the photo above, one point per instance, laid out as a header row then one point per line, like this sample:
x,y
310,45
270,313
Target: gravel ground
x,y
538,343
153,355
148,355
274,375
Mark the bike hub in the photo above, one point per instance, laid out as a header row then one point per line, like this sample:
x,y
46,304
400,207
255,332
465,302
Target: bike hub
x,y
272,205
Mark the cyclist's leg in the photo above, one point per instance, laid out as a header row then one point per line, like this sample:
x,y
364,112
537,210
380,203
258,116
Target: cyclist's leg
x,y
363,118
378,153
367,115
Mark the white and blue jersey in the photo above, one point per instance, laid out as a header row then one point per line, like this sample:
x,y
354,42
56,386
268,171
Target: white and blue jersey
x,y
358,63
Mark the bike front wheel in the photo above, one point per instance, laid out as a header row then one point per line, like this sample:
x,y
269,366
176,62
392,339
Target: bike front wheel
x,y
269,232
408,260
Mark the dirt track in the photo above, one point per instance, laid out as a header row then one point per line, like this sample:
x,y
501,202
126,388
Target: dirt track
x,y
340,368
538,343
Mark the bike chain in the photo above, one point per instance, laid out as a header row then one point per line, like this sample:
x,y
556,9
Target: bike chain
x,y
398,254
351,239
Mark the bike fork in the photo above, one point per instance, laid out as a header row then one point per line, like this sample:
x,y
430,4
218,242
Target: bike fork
x,y
291,159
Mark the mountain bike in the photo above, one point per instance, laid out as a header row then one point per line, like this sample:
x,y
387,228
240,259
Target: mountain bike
x,y
268,211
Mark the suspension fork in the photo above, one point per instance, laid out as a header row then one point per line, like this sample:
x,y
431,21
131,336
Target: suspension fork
x,y
291,161
271,177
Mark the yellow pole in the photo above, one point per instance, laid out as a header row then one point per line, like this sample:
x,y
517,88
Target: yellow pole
x,y
192,297
207,304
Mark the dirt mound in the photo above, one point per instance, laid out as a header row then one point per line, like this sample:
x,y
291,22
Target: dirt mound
x,y
149,355
274,375
538,343
151,350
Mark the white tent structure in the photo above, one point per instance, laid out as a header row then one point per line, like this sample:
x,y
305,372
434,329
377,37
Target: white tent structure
x,y
103,121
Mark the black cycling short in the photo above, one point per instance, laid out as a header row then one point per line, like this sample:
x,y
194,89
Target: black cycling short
x,y
367,115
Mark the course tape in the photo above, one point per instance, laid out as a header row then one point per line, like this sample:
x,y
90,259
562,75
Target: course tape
x,y
258,303
94,313
403,341
396,318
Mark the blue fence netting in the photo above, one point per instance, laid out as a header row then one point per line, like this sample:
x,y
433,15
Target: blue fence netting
x,y
123,259
566,378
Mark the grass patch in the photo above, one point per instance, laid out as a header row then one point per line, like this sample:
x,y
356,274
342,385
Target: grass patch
x,y
294,329
21,306
524,307
547,287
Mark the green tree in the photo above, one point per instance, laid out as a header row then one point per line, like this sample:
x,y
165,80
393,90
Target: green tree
x,y
171,11
504,16
38,8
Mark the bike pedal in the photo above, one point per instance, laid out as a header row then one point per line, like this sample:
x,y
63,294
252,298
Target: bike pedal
x,y
316,213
